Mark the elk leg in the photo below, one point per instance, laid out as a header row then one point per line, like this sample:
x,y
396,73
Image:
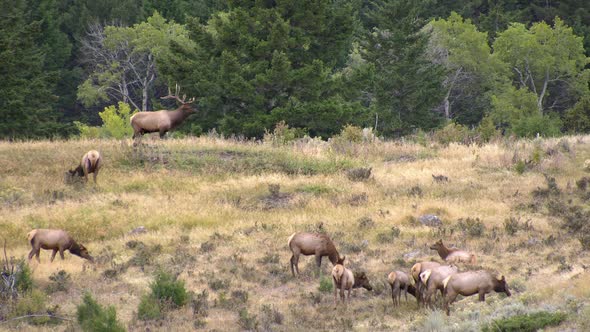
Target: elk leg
x,y
318,259
53,255
61,253
447,301
31,254
335,290
406,292
482,296
94,175
392,295
349,294
292,263
162,134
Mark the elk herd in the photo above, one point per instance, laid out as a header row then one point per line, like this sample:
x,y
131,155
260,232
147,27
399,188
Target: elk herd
x,y
426,279
422,281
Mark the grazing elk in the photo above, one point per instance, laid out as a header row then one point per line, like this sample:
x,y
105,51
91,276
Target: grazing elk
x,y
91,163
470,283
56,240
162,121
453,255
432,280
344,279
307,244
415,271
399,280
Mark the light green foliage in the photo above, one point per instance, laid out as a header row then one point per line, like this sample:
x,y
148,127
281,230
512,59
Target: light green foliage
x,y
540,57
93,317
471,70
115,123
577,119
125,65
31,303
453,133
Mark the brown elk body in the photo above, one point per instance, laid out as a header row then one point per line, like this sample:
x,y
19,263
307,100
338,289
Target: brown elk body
x,y
56,240
399,280
91,163
453,255
433,279
415,271
307,244
161,121
470,283
344,279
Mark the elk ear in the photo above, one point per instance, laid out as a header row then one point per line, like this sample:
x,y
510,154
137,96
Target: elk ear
x,y
439,241
501,277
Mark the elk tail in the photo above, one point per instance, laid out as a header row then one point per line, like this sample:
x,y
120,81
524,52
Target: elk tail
x,y
290,239
445,283
31,235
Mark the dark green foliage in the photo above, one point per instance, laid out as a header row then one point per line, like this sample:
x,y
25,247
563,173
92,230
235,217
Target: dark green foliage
x,y
92,317
406,85
24,277
167,288
526,323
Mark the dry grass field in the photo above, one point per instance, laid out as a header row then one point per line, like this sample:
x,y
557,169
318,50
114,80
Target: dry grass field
x,y
218,213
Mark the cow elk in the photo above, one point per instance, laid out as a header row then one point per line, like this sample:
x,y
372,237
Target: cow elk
x,y
164,120
470,283
453,255
56,240
91,163
307,244
432,280
416,270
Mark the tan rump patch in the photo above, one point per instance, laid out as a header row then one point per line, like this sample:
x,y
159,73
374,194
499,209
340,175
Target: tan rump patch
x,y
446,281
391,278
424,276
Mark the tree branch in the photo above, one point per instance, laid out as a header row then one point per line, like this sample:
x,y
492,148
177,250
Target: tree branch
x,y
36,315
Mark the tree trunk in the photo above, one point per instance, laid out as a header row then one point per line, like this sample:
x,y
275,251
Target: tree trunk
x,y
543,91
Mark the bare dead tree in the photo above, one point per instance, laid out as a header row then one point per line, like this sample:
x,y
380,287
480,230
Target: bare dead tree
x,y
117,68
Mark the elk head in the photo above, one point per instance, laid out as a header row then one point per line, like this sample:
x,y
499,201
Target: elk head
x,y
185,106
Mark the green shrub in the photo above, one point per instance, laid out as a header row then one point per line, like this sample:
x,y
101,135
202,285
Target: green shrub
x,y
115,123
472,227
326,285
33,302
282,134
247,321
149,308
167,288
24,278
526,323
453,133
60,281
93,317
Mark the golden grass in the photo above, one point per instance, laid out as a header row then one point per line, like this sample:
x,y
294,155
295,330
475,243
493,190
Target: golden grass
x,y
217,191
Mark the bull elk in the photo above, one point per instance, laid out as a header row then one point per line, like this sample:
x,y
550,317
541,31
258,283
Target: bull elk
x,y
164,120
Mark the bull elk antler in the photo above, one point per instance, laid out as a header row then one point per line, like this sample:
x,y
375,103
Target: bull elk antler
x,y
175,96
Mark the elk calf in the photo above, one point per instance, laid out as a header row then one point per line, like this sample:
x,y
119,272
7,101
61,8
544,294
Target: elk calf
x,y
56,240
91,163
470,283
399,280
453,255
307,244
344,279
